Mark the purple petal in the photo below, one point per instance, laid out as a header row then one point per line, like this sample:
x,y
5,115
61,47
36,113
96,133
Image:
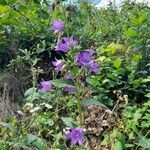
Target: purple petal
x,y
57,25
70,89
74,141
69,135
93,67
63,45
45,86
56,62
76,136
84,57
58,65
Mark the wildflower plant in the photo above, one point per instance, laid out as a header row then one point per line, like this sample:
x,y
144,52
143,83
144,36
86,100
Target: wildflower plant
x,y
73,71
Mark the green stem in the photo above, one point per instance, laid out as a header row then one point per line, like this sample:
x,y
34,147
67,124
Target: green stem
x,y
79,98
80,111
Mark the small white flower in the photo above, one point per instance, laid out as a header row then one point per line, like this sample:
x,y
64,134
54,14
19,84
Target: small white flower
x,y
34,109
66,130
30,105
48,106
20,112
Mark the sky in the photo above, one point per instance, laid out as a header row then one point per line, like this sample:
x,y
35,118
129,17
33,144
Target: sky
x,y
104,3
95,1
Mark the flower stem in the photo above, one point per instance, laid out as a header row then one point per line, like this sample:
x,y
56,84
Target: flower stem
x,y
80,111
79,98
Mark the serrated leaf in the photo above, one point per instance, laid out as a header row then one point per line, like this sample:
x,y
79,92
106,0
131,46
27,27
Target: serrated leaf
x,y
31,94
36,141
30,91
68,121
61,83
31,138
91,101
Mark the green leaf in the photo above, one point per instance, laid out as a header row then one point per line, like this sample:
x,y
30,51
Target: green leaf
x,y
40,144
113,47
36,141
11,2
143,142
137,58
105,81
43,14
7,125
118,146
2,147
30,91
31,94
130,32
3,3
146,80
122,139
91,101
37,1
31,138
148,95
61,83
68,121
117,63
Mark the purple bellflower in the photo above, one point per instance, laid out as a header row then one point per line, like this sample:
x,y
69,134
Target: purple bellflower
x,y
45,86
57,26
84,57
76,136
65,44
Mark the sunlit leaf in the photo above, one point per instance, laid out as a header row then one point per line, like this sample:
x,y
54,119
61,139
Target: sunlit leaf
x,y
117,63
117,146
131,32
